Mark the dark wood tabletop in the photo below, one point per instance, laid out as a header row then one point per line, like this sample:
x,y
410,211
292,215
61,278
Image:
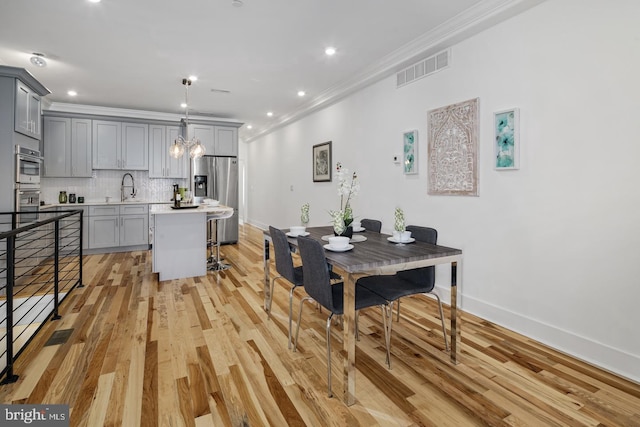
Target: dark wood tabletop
x,y
377,251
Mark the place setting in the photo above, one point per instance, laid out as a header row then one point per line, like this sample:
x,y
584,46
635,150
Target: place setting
x,y
338,244
401,237
296,231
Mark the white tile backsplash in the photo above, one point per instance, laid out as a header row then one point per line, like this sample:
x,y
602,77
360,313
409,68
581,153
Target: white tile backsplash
x,y
107,183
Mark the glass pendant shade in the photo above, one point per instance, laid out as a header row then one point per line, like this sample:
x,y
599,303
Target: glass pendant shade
x,y
176,150
197,150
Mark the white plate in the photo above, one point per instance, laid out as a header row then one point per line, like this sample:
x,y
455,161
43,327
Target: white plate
x,y
332,249
354,239
290,234
391,239
359,230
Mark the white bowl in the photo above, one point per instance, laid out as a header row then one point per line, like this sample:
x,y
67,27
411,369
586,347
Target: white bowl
x,y
405,236
297,230
338,242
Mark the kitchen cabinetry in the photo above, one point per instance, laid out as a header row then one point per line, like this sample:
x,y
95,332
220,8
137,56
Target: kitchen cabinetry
x,y
120,145
134,225
10,77
103,226
206,136
217,140
161,164
66,145
226,143
27,117
113,226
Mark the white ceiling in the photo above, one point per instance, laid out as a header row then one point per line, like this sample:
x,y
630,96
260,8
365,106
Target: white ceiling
x,y
134,53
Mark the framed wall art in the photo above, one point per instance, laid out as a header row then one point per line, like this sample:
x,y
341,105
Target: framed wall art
x,y
410,152
506,147
322,162
453,149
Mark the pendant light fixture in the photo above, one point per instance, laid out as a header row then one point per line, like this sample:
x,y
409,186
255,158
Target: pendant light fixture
x,y
196,149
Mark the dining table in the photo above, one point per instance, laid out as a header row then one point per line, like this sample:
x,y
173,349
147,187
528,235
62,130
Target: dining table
x,y
377,252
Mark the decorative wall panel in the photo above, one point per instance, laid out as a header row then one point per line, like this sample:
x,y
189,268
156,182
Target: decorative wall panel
x,y
453,149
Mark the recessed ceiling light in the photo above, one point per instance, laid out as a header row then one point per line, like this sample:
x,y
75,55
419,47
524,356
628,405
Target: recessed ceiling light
x,y
270,113
301,93
193,78
249,127
330,51
183,105
38,60
72,93
94,1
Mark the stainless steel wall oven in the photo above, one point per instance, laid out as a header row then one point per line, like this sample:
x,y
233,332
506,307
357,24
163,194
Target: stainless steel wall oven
x,y
28,166
27,188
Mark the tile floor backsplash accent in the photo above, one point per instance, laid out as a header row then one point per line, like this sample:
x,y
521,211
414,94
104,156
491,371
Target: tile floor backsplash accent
x,y
107,183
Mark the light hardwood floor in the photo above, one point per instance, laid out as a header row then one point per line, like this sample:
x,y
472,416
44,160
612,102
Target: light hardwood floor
x,y
201,352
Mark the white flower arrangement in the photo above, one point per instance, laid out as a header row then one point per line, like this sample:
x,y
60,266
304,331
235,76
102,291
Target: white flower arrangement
x,y
346,190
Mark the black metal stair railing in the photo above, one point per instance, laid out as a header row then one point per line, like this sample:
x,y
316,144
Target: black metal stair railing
x,y
40,263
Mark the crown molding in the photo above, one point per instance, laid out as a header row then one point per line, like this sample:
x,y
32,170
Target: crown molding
x,y
95,110
462,26
26,77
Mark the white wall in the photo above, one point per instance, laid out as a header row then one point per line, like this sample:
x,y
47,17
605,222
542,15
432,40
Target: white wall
x,y
551,250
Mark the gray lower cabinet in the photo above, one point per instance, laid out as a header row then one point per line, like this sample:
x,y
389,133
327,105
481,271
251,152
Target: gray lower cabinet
x,y
104,224
118,225
134,225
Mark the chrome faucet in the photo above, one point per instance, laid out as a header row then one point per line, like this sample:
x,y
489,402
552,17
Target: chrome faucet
x,y
122,187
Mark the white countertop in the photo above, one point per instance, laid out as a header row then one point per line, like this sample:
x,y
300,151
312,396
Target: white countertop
x,y
101,203
220,211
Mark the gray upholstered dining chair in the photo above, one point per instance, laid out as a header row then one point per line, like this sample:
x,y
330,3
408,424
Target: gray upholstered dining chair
x,y
408,282
371,224
286,270
318,286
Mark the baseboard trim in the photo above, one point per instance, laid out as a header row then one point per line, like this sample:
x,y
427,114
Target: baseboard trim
x,y
601,355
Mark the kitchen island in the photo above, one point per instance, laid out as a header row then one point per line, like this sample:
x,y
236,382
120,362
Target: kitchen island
x,y
180,239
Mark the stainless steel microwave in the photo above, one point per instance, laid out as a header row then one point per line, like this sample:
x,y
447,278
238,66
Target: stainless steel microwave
x,y
28,166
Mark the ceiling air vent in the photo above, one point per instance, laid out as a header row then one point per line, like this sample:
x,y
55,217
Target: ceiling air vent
x,y
423,68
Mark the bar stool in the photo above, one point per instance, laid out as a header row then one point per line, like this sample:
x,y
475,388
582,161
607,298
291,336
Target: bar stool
x,y
214,263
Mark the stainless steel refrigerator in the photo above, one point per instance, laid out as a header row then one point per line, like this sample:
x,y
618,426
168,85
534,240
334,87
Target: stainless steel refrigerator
x,y
216,177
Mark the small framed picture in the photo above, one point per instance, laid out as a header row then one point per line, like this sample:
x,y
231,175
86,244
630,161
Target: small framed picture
x,y
410,152
506,127
322,162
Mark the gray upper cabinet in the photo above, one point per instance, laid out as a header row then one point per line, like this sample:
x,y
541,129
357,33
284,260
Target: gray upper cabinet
x,y
57,147
206,135
27,117
161,164
67,147
107,141
135,146
217,140
119,145
81,145
226,141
